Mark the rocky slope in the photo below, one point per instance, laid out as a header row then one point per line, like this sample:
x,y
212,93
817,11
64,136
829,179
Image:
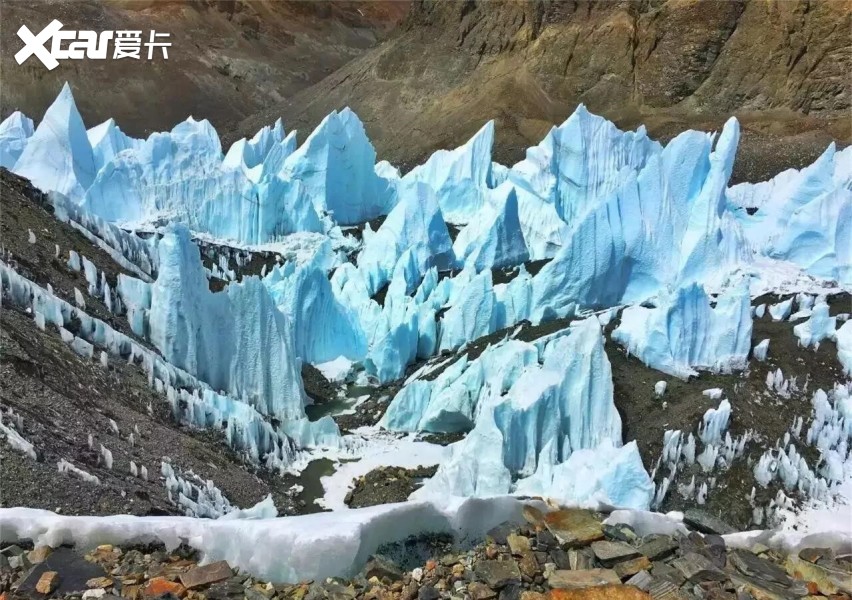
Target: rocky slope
x,y
229,58
781,67
72,407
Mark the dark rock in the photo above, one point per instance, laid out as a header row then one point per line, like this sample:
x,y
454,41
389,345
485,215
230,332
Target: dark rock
x,y
659,548
498,573
706,523
560,558
621,532
227,590
500,533
545,539
512,591
74,571
754,566
428,592
609,553
696,568
383,568
661,570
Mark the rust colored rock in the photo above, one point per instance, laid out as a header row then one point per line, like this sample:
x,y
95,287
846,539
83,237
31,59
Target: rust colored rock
x,y
160,586
48,582
212,573
603,592
533,516
629,568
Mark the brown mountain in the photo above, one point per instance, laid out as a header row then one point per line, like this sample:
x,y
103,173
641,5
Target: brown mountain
x,y
781,66
229,58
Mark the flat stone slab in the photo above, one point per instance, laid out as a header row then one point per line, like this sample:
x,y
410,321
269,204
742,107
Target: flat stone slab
x,y
749,564
706,523
631,567
696,568
658,548
828,580
212,573
610,553
498,573
574,526
562,579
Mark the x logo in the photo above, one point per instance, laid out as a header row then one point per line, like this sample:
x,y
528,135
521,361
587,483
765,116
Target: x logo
x,y
34,45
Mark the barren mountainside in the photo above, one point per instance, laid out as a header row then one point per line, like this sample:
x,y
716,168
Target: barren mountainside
x,y
781,67
229,58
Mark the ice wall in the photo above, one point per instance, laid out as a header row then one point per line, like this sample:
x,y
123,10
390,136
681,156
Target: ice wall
x,y
15,132
581,162
804,216
495,238
416,225
558,405
107,140
460,178
322,327
336,166
661,226
58,156
236,341
684,332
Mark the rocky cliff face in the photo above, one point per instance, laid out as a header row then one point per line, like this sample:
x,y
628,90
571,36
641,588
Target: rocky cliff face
x,y
229,58
781,66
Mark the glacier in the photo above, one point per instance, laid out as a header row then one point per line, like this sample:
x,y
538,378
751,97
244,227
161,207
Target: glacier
x,y
652,235
15,131
58,156
804,216
558,402
685,333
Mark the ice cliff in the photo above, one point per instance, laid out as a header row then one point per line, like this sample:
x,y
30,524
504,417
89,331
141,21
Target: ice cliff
x,y
804,216
15,131
685,333
531,410
58,156
236,341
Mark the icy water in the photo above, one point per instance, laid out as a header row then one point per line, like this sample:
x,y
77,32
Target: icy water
x,y
332,408
310,481
338,406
